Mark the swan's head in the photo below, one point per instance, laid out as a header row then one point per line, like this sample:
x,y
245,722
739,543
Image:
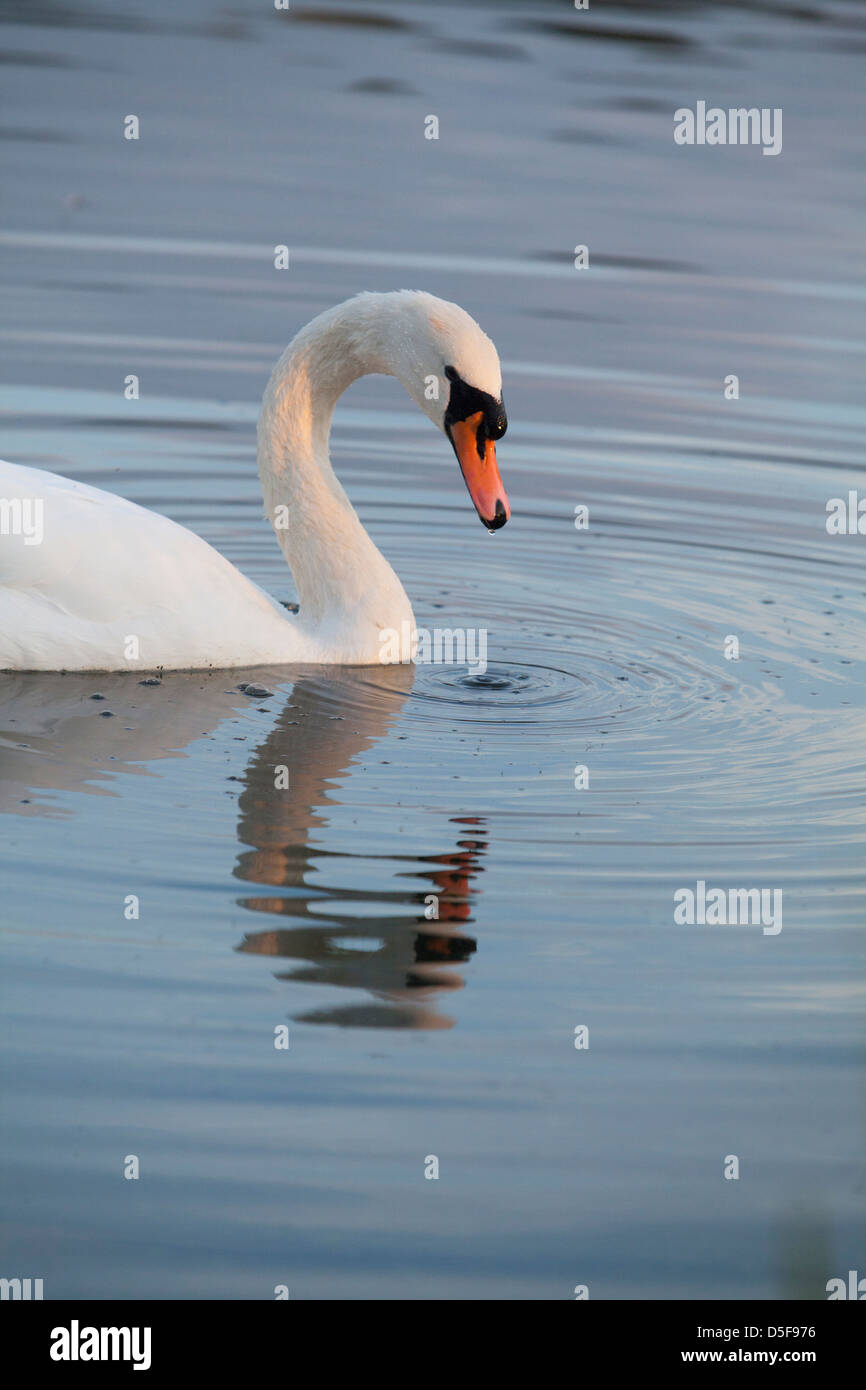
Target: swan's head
x,y
451,369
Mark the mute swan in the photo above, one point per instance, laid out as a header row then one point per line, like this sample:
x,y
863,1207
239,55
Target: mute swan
x,y
109,586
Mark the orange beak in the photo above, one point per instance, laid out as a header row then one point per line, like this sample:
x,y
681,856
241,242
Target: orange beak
x,y
477,459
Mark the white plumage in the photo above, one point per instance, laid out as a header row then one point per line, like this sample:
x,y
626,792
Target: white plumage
x,y
107,571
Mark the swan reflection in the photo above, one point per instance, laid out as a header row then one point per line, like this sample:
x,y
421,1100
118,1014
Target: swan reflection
x,y
376,919
398,940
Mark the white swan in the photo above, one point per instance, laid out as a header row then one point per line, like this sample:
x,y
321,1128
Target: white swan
x,y
104,571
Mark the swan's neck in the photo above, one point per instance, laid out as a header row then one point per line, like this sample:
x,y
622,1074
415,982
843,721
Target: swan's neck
x,y
343,581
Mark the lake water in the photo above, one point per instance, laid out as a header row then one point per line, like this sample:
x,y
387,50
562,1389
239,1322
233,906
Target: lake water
x,y
609,650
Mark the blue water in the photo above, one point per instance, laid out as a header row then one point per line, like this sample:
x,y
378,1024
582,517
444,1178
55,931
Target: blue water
x,y
261,908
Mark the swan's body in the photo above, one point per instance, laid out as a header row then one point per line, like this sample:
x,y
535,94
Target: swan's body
x,y
111,586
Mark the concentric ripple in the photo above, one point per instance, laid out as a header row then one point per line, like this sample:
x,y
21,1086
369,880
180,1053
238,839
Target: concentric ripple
x,y
498,691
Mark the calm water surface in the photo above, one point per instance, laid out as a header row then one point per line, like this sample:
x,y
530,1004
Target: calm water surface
x,y
261,907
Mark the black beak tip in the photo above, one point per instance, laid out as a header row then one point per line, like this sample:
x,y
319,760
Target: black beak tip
x,y
499,518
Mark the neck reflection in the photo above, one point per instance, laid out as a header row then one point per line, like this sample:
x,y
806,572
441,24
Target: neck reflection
x,y
389,923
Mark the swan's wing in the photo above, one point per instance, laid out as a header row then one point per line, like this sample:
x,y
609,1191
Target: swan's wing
x,y
83,571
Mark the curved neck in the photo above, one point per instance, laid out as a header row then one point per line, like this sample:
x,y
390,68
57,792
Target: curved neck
x,y
334,562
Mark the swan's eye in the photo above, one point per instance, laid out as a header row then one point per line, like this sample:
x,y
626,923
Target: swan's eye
x,y
497,423
465,400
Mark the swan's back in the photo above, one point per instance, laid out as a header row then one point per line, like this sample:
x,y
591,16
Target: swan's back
x,y
106,571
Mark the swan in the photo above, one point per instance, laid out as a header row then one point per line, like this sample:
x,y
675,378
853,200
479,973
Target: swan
x,y
92,582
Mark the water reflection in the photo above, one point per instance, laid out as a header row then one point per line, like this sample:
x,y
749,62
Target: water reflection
x,y
400,939
404,958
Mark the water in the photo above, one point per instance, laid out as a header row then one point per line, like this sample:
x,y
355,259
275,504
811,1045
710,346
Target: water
x,y
259,907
